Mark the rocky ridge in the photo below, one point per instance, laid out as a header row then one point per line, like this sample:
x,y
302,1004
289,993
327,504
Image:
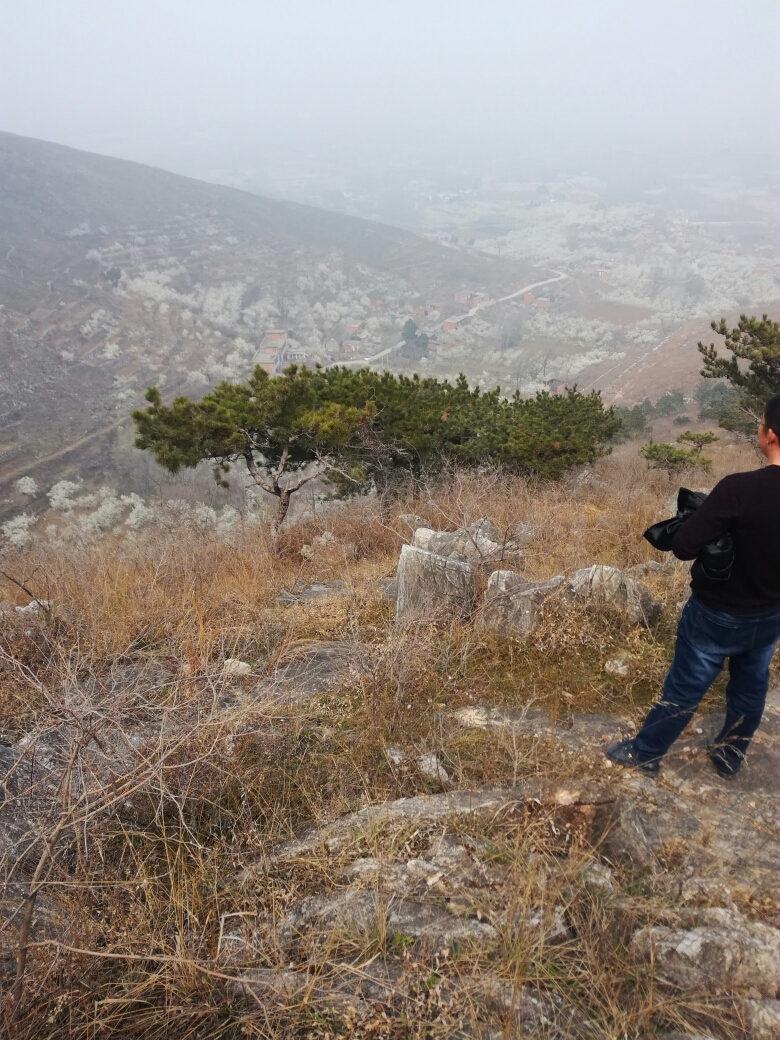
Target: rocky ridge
x,y
466,906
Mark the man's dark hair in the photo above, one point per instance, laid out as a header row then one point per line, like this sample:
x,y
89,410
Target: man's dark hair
x,y
772,414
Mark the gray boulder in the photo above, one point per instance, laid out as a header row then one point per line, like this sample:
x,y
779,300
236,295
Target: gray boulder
x,y
625,836
474,545
412,521
443,543
762,1018
430,584
512,603
602,584
525,533
483,528
725,952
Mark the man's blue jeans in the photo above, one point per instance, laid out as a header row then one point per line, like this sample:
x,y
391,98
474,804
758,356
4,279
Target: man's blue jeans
x,y
705,638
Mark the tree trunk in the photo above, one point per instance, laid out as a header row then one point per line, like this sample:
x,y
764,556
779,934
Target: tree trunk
x,y
281,512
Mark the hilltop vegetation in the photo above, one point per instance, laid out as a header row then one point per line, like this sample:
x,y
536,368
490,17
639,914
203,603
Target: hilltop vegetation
x,y
360,430
257,691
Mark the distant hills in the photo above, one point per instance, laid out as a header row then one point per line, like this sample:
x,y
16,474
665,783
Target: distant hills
x,y
114,275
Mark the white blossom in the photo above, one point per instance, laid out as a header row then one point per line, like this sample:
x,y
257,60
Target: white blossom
x,y
61,494
26,486
17,529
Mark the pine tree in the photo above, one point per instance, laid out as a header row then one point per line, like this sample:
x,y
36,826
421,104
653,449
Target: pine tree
x,y
756,344
362,429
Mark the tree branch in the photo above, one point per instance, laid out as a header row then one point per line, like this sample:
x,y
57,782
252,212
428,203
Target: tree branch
x,y
280,469
254,472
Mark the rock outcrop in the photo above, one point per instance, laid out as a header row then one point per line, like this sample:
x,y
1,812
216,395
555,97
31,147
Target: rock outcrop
x,y
723,953
512,603
476,544
430,584
609,585
437,575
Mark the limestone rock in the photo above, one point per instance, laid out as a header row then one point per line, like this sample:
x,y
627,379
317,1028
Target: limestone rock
x,y
484,529
412,521
610,585
442,543
512,603
395,756
725,952
701,891
535,1013
307,669
472,545
527,721
307,593
233,666
625,836
35,606
617,666
355,911
762,1018
430,766
551,923
318,543
268,987
525,533
597,875
642,570
430,584
597,728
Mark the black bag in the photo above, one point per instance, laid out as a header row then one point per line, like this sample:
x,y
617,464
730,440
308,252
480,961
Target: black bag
x,y
716,558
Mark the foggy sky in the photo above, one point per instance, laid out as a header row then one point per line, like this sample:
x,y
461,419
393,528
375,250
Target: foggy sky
x,y
201,85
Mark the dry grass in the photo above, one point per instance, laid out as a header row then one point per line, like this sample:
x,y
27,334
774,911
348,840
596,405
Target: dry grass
x,y
144,626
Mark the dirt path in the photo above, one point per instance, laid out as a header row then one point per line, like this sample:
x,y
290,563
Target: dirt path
x,y
28,467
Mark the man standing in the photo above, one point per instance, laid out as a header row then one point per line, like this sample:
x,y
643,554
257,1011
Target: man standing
x,y
738,618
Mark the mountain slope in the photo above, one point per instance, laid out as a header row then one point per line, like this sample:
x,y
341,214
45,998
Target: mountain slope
x,y
114,275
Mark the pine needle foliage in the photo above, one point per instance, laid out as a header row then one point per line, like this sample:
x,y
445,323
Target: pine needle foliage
x,y
362,429
753,368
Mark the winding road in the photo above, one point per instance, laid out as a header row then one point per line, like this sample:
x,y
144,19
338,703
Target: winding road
x,y
559,276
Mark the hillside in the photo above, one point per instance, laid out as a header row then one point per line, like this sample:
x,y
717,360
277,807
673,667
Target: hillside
x,y
114,275
316,808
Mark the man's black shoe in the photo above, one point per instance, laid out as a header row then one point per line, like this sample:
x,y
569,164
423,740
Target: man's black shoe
x,y
722,766
625,754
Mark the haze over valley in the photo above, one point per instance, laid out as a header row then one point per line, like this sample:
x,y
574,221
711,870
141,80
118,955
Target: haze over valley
x,y
565,248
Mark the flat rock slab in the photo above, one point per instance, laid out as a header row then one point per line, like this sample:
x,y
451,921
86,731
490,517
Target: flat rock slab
x,y
309,593
309,669
586,730
528,721
596,727
687,763
336,836
723,952
715,826
482,1004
